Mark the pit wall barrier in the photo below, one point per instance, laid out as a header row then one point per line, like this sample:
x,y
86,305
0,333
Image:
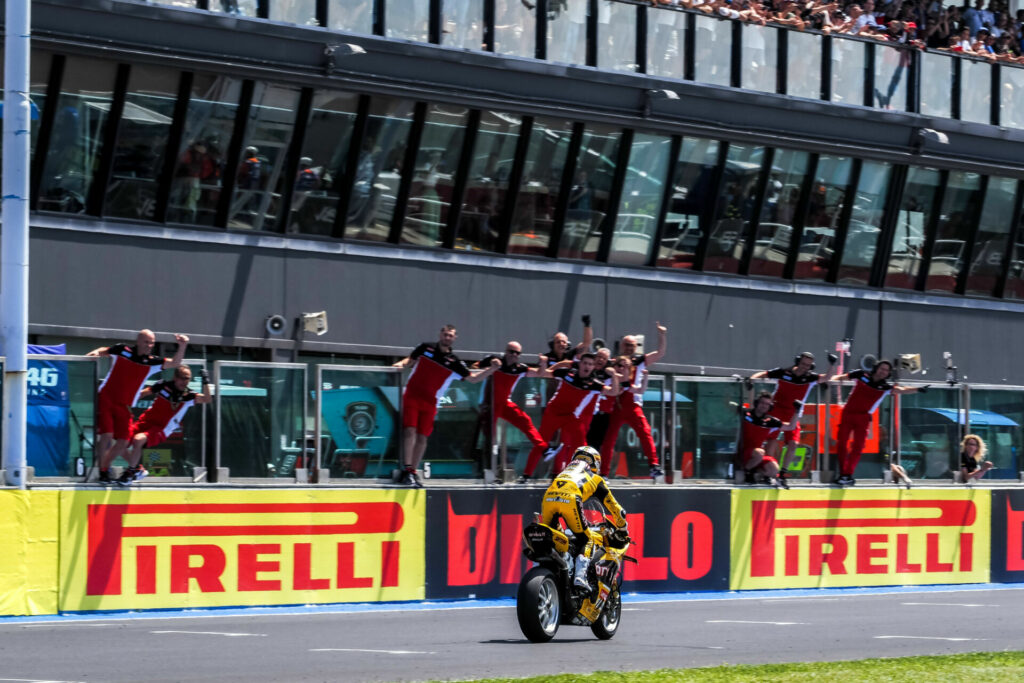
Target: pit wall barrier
x,y
78,550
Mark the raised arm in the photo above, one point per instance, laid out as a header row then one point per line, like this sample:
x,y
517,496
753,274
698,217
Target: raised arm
x,y
204,395
480,375
654,356
588,333
101,351
179,355
614,389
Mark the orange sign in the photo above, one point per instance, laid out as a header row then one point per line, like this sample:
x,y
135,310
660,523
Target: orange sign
x,y
835,416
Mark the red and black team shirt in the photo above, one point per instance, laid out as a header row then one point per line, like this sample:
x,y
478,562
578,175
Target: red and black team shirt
x,y
756,430
574,393
866,395
550,355
505,379
433,371
169,407
791,387
605,404
129,371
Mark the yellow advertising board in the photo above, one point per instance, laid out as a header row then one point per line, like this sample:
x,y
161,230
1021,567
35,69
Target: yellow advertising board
x,y
831,538
173,549
28,552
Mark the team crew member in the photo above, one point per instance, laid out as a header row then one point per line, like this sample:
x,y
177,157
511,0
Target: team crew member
x,y
794,385
559,347
596,424
502,383
757,427
434,367
130,367
171,400
573,486
629,405
577,388
869,390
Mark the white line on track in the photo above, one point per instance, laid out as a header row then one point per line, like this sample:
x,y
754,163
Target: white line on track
x,y
771,623
382,652
34,680
949,604
214,633
73,623
926,638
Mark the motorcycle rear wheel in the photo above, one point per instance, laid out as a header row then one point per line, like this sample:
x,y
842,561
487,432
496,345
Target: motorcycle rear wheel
x,y
608,623
538,605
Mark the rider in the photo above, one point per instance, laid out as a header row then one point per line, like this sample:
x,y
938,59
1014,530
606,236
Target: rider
x,y
578,482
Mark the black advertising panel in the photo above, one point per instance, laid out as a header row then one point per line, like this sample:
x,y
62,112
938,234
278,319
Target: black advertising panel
x,y
1007,536
474,547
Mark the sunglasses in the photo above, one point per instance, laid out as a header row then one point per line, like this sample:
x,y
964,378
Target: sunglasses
x,y
512,351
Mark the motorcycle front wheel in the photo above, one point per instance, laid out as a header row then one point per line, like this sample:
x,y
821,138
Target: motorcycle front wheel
x,y
538,605
608,623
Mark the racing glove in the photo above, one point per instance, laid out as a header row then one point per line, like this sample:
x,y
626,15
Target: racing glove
x,y
586,320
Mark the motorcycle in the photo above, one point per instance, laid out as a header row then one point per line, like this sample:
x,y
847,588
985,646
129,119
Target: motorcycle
x,y
547,596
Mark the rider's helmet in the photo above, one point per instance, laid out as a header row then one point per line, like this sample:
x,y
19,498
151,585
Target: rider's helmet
x,y
590,456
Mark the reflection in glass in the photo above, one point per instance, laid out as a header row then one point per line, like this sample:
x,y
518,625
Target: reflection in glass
x,y
487,185
692,199
778,213
998,423
1015,276
865,223
533,216
960,205
64,394
591,187
1011,93
437,160
267,136
824,211
912,221
408,19
892,65
642,192
848,62
462,24
208,125
350,15
322,165
379,170
760,56
993,234
616,35
294,12
803,69
936,84
929,432
141,142
567,32
735,208
242,8
713,51
515,32
450,451
667,45
360,425
77,140
975,93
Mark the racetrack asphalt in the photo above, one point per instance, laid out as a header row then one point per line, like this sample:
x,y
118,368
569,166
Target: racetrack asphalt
x,y
459,641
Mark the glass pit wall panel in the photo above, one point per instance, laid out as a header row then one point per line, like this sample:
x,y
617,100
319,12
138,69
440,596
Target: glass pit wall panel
x,y
803,68
515,31
976,97
531,395
1011,97
849,63
892,72
997,415
713,51
930,431
60,414
359,421
462,24
640,204
760,58
455,448
666,42
567,32
616,36
936,91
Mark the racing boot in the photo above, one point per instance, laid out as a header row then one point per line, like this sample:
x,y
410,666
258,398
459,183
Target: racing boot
x,y
580,578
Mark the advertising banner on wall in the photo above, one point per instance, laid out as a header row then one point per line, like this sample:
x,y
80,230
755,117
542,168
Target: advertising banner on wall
x,y
1007,536
174,549
28,552
831,538
474,540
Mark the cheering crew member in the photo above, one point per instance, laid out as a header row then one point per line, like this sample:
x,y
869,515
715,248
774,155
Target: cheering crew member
x,y
629,405
130,367
171,400
869,390
577,388
504,381
757,427
794,385
596,423
434,367
559,347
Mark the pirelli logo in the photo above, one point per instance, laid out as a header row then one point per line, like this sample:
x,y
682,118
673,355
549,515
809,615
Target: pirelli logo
x,y
832,538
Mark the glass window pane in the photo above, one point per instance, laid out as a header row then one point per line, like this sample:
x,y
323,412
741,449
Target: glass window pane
x,y
993,235
379,171
361,424
960,205
1003,438
803,70
208,125
533,216
462,24
1011,92
824,210
514,28
245,8
294,11
975,91
892,65
77,140
865,223
142,142
64,393
38,79
936,84
848,62
666,42
437,161
912,221
640,205
735,208
175,3
1015,277
616,36
588,200
322,166
267,136
350,15
778,214
408,19
487,186
713,51
567,32
692,200
760,57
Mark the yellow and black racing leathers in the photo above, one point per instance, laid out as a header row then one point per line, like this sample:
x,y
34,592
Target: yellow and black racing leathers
x,y
564,498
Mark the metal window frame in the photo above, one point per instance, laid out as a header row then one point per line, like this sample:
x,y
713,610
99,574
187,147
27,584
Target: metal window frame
x,y
893,202
972,237
303,114
514,184
565,188
173,147
100,180
234,152
355,142
930,231
412,146
611,217
843,228
709,213
469,140
668,187
767,161
53,89
1016,231
800,216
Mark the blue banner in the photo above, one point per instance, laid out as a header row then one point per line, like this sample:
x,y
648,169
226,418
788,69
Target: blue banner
x,y
48,440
